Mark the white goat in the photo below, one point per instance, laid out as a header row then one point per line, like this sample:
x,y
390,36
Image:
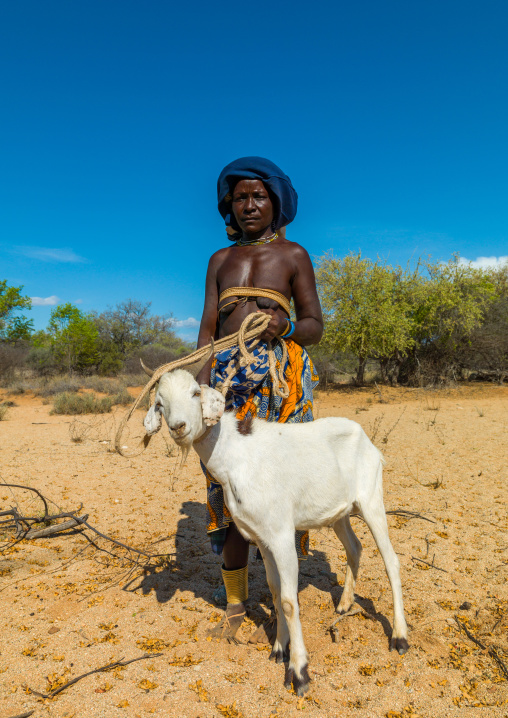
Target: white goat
x,y
281,477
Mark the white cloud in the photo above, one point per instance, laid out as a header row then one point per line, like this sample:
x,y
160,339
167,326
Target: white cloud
x,y
48,254
45,301
484,262
78,301
190,322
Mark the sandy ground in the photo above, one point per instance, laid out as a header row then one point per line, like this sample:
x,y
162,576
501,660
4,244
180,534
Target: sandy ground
x,y
66,608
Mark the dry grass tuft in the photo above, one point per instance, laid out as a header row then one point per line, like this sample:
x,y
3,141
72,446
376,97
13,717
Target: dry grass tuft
x,y
431,404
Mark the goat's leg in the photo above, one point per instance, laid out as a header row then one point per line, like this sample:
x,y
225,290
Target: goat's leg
x,y
375,517
286,559
353,547
280,649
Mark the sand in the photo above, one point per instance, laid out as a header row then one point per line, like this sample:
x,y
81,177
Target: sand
x,y
67,608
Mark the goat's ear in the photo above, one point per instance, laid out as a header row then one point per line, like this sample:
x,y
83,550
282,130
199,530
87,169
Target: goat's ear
x,y
212,404
152,421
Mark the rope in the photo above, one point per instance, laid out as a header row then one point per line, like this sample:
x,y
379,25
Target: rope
x,y
244,292
252,326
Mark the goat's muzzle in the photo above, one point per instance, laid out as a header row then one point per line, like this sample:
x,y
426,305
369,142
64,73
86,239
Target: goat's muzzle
x,y
179,429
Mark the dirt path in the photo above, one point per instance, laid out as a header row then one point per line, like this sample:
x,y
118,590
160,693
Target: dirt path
x,y
65,610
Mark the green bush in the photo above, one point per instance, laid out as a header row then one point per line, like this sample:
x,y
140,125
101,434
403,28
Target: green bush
x,y
71,403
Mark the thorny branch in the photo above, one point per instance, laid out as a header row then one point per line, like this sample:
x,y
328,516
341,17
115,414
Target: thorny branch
x,y
121,662
30,488
23,528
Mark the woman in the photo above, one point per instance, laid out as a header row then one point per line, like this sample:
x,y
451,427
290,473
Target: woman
x,y
257,201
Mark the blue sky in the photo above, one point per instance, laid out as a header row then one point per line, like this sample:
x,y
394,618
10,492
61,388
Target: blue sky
x,y
117,117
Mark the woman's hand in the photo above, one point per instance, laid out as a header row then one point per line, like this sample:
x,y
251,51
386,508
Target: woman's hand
x,y
278,324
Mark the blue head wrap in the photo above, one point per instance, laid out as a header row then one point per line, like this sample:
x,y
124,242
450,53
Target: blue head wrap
x,y
283,194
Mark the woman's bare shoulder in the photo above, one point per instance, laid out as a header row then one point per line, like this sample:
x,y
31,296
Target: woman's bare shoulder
x,y
219,256
293,249
290,246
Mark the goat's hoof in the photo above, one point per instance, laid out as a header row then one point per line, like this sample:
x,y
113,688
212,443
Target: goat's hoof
x,y
279,656
400,645
299,685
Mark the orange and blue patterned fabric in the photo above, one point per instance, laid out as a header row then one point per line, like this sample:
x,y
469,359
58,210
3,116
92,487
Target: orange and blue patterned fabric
x,y
253,397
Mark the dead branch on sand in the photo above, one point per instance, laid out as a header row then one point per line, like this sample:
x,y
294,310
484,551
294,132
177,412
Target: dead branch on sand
x,y
110,666
400,512
430,565
490,649
18,527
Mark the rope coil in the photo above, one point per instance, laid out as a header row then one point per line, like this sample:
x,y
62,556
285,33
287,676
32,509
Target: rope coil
x,y
243,293
252,327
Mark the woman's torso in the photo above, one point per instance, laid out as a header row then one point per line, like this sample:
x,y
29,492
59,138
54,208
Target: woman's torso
x,y
267,266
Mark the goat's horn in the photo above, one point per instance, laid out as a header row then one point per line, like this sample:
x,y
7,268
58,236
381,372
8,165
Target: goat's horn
x,y
194,369
146,369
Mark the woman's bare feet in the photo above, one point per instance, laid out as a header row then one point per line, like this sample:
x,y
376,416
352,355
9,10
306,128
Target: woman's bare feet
x,y
229,625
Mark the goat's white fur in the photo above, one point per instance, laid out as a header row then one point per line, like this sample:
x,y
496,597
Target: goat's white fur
x,y
283,477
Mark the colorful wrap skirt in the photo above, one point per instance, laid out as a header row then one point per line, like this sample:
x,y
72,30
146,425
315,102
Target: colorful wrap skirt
x,y
252,396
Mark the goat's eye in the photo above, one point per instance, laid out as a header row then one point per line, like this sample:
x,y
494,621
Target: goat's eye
x,y
158,406
197,392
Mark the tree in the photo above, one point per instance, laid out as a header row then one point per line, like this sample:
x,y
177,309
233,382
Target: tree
x,y
486,352
130,326
13,327
448,303
365,308
73,338
130,331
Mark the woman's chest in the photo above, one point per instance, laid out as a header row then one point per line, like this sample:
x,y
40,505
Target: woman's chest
x,y
255,267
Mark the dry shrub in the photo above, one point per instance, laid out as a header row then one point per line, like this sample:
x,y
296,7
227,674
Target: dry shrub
x,y
69,403
11,358
22,386
79,431
102,384
97,429
123,398
57,386
3,411
136,380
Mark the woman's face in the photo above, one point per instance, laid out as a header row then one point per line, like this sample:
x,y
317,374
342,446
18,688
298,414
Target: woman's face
x,y
252,207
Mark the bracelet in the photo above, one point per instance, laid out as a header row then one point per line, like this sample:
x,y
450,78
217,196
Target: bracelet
x,y
289,330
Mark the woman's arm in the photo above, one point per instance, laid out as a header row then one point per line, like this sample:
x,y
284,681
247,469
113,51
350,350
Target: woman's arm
x,y
209,325
309,319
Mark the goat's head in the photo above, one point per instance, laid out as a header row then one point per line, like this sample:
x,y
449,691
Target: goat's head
x,y
187,407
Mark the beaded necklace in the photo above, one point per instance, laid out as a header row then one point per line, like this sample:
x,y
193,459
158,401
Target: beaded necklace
x,y
246,242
